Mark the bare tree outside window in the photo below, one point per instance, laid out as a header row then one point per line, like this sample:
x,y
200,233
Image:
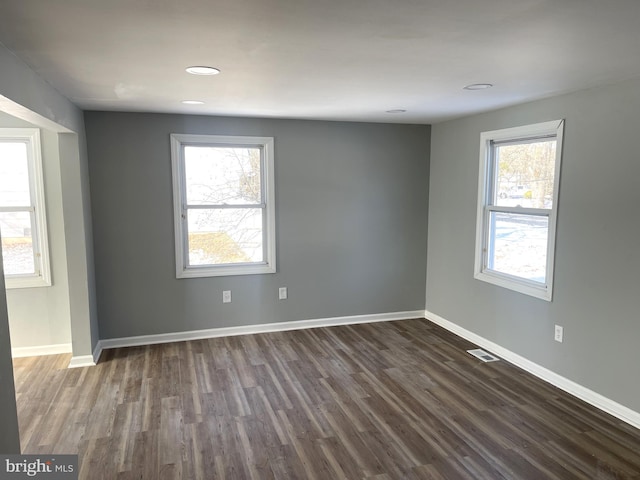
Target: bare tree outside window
x,y
526,174
225,182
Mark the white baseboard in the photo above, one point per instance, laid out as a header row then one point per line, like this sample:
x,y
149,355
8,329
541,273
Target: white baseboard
x,y
82,361
76,361
597,400
251,329
86,360
40,350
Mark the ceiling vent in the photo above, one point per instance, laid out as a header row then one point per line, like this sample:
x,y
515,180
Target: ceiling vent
x,y
482,355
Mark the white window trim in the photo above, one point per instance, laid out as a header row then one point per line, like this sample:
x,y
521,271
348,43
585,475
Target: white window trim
x,y
42,277
534,289
183,269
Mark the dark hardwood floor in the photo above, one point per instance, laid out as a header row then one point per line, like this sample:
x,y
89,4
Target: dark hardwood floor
x,y
395,400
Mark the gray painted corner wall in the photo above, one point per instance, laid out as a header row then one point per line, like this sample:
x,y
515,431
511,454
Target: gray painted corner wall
x,y
597,251
76,203
351,226
9,434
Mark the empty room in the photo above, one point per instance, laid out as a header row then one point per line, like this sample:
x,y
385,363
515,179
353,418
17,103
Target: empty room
x,y
320,240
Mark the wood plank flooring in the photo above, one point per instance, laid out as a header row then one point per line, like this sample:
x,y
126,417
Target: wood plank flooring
x,y
394,400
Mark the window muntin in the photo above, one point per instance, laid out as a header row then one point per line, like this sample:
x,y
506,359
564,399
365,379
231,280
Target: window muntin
x,y
22,210
517,201
223,202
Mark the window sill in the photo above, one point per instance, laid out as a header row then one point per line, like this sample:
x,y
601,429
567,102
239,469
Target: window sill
x,y
542,292
11,283
225,271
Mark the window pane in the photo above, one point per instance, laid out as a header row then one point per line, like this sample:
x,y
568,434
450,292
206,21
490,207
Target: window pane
x,y
518,245
224,236
525,173
17,243
222,175
14,175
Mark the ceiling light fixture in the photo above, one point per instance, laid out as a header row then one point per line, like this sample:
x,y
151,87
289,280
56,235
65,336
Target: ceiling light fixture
x,y
478,86
192,102
202,70
397,110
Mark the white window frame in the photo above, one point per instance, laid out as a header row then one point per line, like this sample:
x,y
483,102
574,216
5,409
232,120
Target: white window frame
x,y
486,185
183,269
36,209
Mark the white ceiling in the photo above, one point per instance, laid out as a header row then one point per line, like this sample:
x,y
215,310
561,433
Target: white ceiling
x,y
323,59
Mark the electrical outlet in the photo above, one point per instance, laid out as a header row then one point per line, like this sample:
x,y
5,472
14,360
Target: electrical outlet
x,y
282,293
226,296
559,332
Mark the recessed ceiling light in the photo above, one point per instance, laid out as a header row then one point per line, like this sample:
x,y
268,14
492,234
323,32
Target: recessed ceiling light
x,y
478,86
202,70
192,102
396,110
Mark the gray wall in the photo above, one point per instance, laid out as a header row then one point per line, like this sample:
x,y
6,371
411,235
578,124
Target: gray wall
x,y
9,436
40,316
597,251
76,202
351,225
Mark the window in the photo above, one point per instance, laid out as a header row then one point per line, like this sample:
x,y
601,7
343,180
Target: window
x,y
23,225
517,204
223,205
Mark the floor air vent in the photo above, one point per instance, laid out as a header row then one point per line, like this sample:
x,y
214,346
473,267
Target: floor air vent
x,y
482,355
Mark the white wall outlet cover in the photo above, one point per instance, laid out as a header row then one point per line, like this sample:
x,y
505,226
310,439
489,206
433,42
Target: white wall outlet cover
x,y
558,333
226,296
282,293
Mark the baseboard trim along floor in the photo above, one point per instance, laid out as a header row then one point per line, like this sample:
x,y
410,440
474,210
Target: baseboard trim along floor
x,y
593,398
19,352
251,329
